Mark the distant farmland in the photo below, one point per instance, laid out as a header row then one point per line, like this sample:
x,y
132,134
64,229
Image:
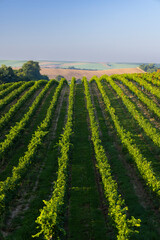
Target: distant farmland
x,y
75,65
79,69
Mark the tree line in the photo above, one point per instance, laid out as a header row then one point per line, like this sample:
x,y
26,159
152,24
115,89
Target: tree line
x,y
151,67
29,71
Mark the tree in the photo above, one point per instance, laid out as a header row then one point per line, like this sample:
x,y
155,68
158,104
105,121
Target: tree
x,y
31,71
151,67
7,74
58,77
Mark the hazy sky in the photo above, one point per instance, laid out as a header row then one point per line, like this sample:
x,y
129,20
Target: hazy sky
x,y
85,30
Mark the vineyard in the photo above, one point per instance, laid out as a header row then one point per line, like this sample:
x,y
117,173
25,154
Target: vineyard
x,y
80,161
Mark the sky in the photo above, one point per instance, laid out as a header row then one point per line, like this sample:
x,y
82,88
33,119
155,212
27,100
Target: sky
x,y
85,30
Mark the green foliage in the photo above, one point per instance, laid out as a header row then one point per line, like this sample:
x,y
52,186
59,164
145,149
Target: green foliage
x,y
117,208
16,92
142,121
4,119
4,86
7,74
143,165
71,67
29,71
50,216
151,77
150,103
58,77
151,67
18,171
16,130
9,89
148,86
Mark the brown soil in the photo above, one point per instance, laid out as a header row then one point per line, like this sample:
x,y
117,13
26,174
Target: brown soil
x,y
69,73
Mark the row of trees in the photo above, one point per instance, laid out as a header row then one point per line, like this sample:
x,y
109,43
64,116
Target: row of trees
x,y
151,67
29,71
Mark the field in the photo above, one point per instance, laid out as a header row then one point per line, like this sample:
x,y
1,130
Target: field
x,y
77,65
81,161
69,73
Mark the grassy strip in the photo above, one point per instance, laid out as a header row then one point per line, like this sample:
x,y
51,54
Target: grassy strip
x,y
87,214
50,216
143,122
5,119
15,131
10,89
117,208
37,139
143,165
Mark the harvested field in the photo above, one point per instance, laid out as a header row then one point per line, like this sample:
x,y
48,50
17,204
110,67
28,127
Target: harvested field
x,y
69,73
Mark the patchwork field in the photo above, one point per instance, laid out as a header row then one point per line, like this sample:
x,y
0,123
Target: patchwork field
x,y
80,161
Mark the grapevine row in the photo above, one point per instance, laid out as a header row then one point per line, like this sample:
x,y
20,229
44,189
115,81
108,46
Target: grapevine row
x,y
150,78
5,85
150,104
117,208
11,183
143,165
154,90
14,94
19,126
10,89
142,121
50,216
156,76
5,119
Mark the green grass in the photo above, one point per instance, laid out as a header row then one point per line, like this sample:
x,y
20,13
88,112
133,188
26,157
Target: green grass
x,y
86,220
